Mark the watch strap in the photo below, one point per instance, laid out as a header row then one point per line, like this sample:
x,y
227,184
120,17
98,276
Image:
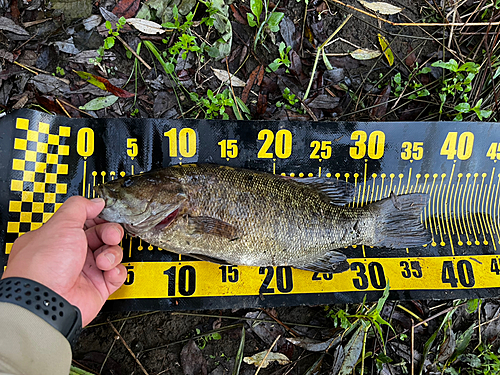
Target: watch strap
x,y
45,303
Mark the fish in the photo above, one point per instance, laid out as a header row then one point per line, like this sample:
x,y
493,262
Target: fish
x,y
243,217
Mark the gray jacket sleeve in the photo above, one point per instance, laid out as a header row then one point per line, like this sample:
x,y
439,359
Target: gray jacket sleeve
x,y
29,345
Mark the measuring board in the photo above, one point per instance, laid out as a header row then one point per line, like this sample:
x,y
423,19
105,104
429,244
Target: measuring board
x,y
45,159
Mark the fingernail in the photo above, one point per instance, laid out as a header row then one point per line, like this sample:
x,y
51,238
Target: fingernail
x,y
97,200
110,257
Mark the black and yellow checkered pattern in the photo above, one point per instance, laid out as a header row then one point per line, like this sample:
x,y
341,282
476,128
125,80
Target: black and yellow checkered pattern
x,y
35,191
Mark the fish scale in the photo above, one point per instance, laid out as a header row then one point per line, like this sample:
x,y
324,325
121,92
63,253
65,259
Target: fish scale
x,y
237,216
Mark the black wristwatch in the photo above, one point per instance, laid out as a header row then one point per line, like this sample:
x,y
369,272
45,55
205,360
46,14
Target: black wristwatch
x,y
45,303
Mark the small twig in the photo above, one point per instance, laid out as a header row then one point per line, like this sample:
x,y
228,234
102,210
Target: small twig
x,y
133,52
25,67
268,351
412,314
111,347
318,51
35,71
62,107
412,339
128,348
85,113
37,22
292,331
232,90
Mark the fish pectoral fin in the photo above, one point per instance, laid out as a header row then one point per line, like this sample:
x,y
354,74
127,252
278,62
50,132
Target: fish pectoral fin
x,y
331,262
332,191
210,225
207,258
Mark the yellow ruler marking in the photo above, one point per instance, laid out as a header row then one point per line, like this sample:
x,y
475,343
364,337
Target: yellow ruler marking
x,y
203,279
392,175
84,185
447,208
374,177
432,209
440,208
400,176
453,213
495,209
475,225
491,227
364,197
382,176
356,175
457,207
466,212
480,213
409,180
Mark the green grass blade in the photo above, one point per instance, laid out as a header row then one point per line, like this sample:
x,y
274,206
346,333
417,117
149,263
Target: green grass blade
x,y
239,355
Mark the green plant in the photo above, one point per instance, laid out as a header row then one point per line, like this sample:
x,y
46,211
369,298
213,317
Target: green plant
x,y
271,19
203,340
399,85
458,84
283,59
291,100
60,71
215,104
109,42
176,25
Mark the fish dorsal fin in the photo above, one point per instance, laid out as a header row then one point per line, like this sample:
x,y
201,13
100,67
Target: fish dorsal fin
x,y
207,258
210,225
333,191
331,262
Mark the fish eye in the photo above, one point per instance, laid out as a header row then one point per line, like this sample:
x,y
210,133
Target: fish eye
x,y
127,183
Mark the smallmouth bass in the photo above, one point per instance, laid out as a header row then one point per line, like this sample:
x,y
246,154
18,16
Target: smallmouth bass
x,y
242,217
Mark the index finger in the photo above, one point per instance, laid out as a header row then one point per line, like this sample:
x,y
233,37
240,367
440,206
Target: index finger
x,y
76,211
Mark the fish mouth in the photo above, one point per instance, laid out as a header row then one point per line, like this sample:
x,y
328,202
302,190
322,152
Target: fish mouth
x,y
106,195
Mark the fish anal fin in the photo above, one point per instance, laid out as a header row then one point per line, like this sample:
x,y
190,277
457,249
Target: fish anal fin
x,y
207,258
331,262
332,190
210,225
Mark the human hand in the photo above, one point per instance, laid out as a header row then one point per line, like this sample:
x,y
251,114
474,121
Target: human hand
x,y
75,254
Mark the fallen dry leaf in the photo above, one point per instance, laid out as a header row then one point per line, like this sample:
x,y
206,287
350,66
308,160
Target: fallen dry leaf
x,y
104,84
385,49
382,8
364,54
126,8
256,359
223,76
145,26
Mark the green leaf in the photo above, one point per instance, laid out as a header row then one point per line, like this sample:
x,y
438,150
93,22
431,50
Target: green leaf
x,y
251,20
472,305
275,65
425,70
469,67
239,354
99,103
462,107
325,60
256,7
450,65
109,42
274,21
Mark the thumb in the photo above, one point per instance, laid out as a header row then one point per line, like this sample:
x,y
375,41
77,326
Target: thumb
x,y
75,211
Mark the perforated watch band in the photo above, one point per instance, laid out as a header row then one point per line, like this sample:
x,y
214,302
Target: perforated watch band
x,y
43,302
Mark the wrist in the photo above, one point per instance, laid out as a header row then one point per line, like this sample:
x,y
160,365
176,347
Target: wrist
x,y
43,302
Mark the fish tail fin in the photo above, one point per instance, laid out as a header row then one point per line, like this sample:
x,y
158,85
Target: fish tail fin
x,y
399,220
